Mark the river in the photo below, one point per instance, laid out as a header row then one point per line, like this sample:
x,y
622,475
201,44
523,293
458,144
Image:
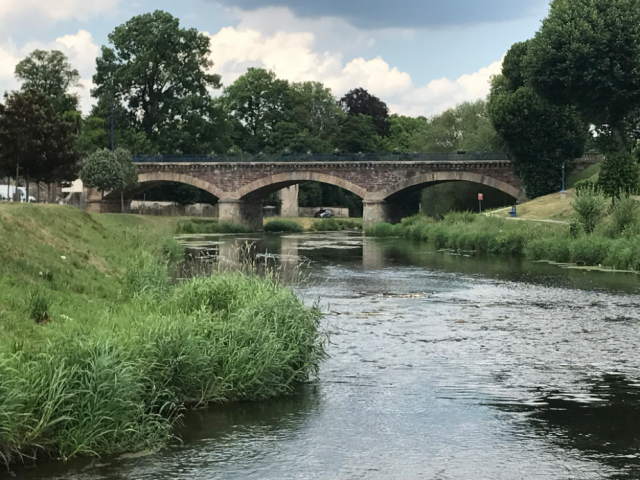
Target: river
x,y
441,366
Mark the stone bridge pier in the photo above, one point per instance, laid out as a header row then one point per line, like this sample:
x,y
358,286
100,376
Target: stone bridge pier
x,y
241,186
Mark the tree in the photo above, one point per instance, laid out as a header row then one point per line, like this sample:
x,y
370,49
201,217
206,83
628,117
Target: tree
x,y
587,54
402,131
312,120
619,175
255,104
358,134
51,73
539,136
109,171
464,127
128,173
34,141
161,83
360,102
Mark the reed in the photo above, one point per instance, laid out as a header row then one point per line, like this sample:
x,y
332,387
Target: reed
x,y
125,350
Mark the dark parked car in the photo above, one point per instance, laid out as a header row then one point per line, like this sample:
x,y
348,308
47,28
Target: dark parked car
x,y
324,213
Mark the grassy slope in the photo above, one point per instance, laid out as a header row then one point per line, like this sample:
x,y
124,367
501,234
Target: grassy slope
x,y
80,258
123,351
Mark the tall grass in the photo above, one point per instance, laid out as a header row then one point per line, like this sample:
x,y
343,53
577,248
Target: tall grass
x,y
120,383
124,350
615,244
281,226
209,227
335,225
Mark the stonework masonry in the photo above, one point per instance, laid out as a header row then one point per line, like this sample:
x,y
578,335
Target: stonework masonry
x,y
240,186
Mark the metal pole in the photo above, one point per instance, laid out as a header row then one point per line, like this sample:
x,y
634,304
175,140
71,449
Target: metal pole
x,y
562,177
112,147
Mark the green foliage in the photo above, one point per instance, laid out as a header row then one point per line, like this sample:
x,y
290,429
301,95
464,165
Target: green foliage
x,y
161,82
210,227
459,217
590,208
358,134
625,216
39,305
280,226
402,131
585,186
106,171
255,104
34,138
112,371
567,57
51,73
465,127
620,175
93,136
335,225
171,249
358,102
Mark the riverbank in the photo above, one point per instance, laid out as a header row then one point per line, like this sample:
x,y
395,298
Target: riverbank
x,y
101,353
532,240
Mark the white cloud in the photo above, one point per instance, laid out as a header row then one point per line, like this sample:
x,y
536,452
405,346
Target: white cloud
x,y
37,11
79,48
291,56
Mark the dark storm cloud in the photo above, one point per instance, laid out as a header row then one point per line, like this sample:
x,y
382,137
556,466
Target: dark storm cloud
x,y
402,13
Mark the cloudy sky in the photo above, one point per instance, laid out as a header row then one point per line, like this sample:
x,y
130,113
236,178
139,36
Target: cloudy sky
x,y
420,56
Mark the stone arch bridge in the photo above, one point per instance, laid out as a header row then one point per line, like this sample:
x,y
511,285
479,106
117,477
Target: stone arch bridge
x,y
241,185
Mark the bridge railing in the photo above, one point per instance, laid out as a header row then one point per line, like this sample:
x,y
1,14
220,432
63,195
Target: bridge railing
x,y
322,157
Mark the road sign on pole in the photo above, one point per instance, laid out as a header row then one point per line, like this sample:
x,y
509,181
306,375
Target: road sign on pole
x,y
480,199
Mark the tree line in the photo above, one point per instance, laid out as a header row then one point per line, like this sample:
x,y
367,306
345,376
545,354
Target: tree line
x,y
574,86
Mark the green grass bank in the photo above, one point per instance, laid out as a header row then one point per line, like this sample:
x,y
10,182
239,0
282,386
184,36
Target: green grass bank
x,y
611,245
100,352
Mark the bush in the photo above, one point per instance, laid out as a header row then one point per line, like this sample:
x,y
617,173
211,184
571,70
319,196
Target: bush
x,y
39,303
586,185
625,215
334,225
619,175
590,250
459,217
204,227
281,226
382,230
589,206
121,383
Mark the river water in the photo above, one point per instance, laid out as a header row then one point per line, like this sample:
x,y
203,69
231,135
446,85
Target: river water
x,y
441,367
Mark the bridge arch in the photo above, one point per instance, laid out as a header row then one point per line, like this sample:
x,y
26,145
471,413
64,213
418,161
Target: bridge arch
x,y
151,179
273,183
441,177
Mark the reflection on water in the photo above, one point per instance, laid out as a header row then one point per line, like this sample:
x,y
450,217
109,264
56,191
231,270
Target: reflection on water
x,y
442,366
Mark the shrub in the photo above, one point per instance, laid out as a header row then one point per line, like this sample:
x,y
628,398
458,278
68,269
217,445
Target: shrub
x,y
280,226
210,227
382,230
590,250
334,225
459,217
625,215
586,185
589,207
39,303
619,175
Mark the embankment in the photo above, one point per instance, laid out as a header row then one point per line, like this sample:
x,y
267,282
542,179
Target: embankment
x,y
100,352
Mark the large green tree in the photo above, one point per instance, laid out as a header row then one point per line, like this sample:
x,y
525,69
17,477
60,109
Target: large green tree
x,y
464,127
402,132
34,141
256,103
358,134
539,136
312,120
51,73
360,102
161,83
587,54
